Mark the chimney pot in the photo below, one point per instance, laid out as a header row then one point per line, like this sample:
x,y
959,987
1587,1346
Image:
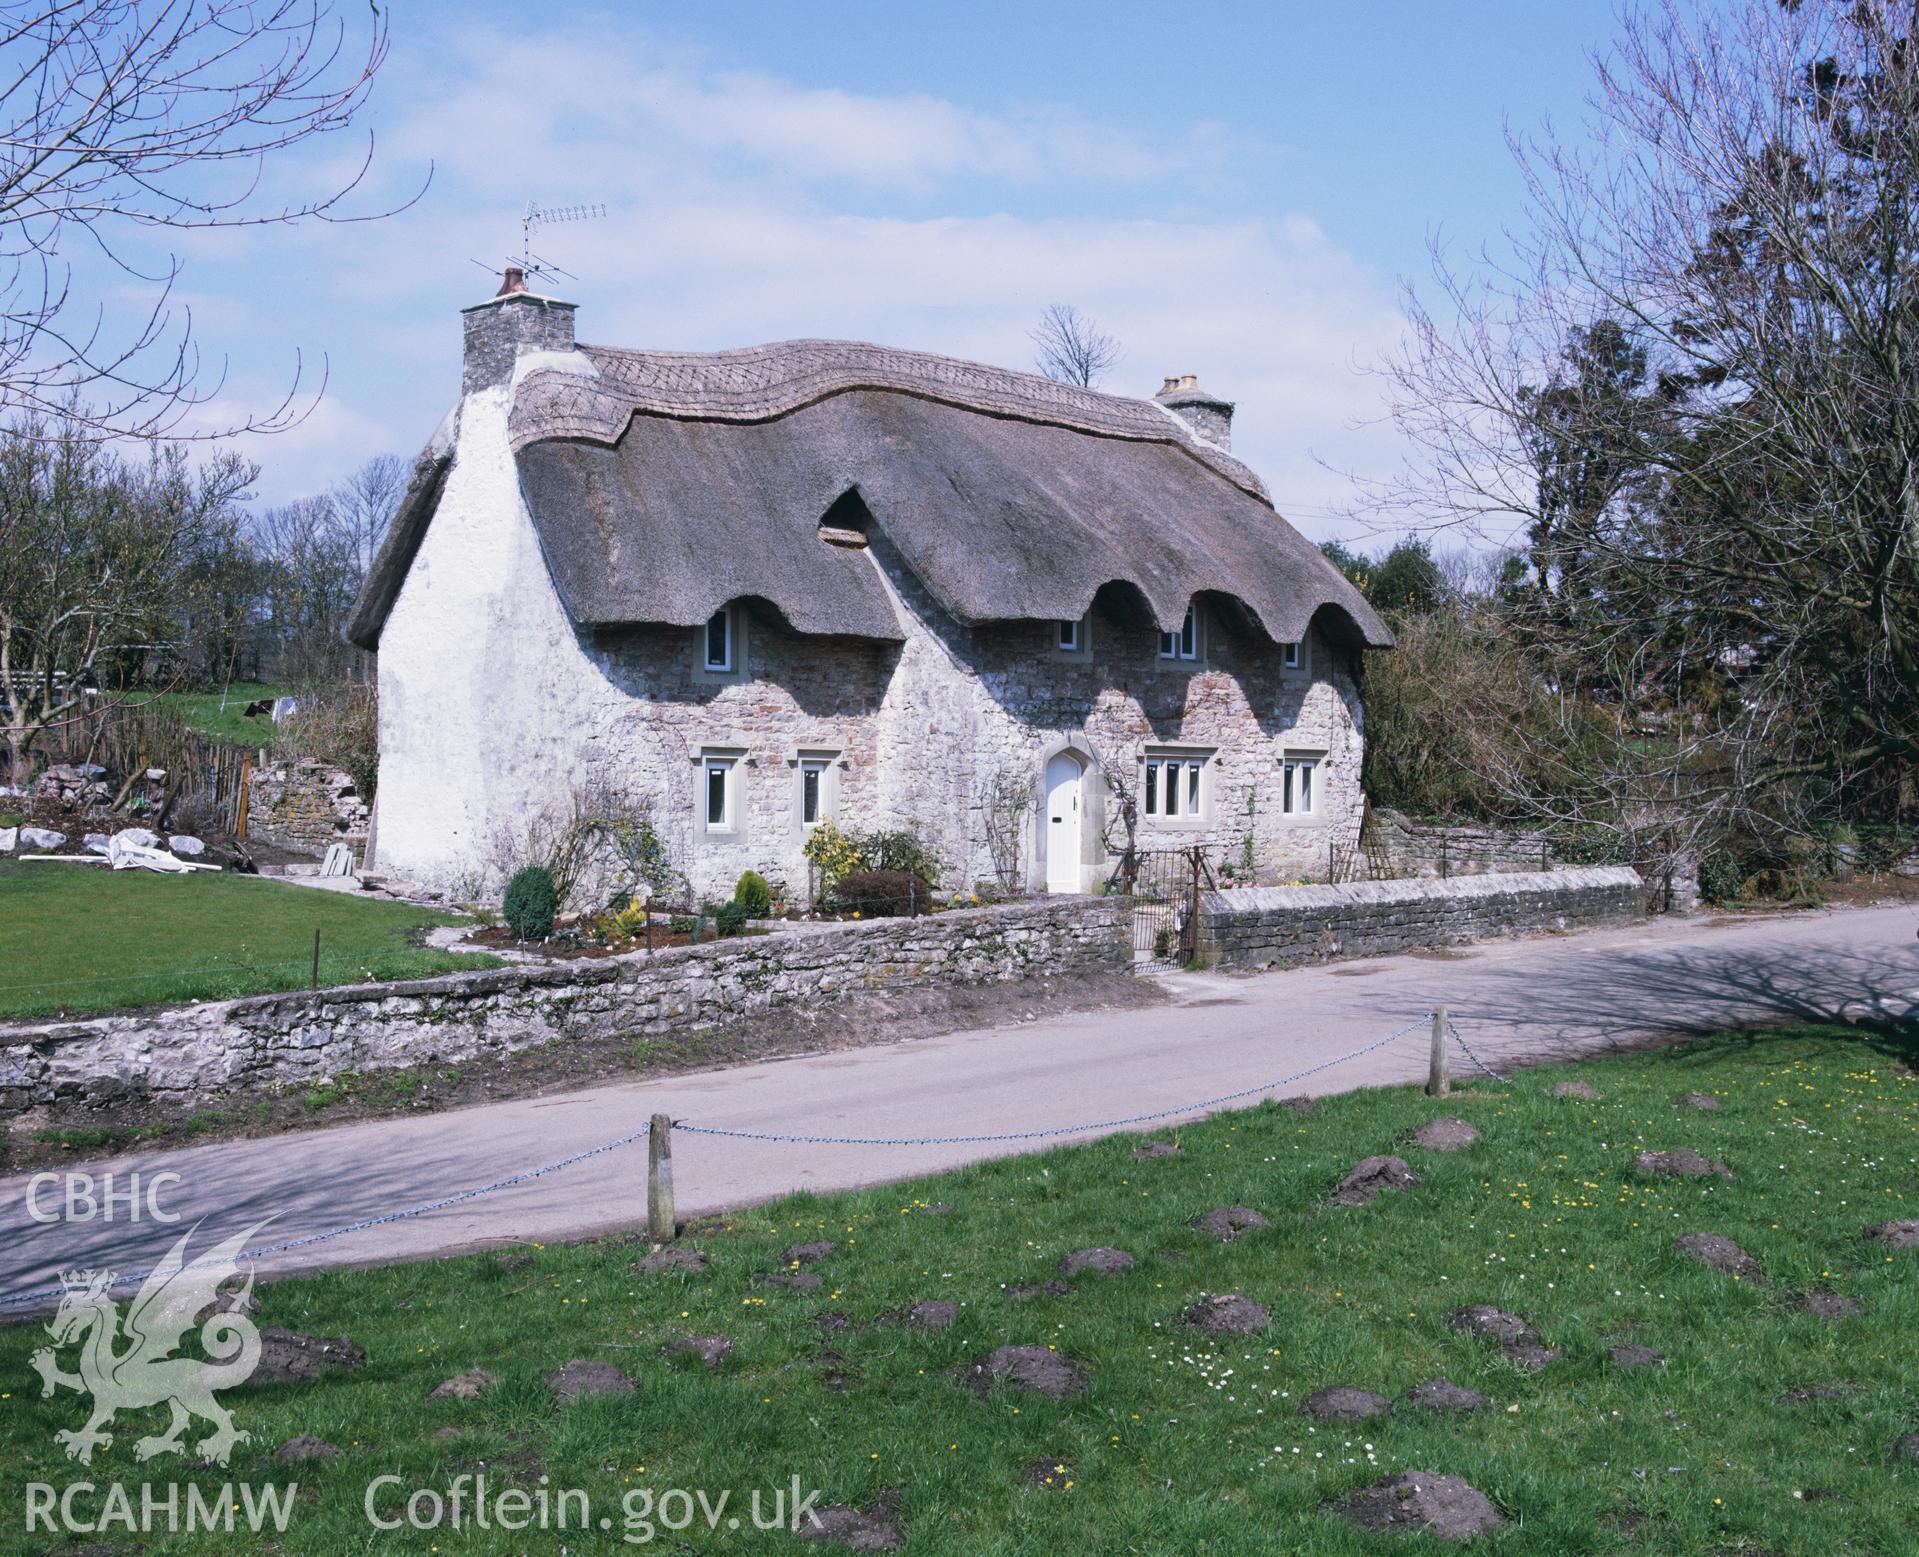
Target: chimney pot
x,y
1209,416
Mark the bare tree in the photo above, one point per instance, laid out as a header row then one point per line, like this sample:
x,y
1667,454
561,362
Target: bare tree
x,y
1072,348
364,502
313,574
98,570
1687,392
119,117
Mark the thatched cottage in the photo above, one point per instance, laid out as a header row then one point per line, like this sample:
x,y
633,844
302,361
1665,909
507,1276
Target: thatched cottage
x,y
756,590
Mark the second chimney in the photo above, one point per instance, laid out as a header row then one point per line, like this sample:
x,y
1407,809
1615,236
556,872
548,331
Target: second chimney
x,y
513,320
1208,415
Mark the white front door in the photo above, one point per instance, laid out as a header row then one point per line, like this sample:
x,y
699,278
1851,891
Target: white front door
x,y
1063,776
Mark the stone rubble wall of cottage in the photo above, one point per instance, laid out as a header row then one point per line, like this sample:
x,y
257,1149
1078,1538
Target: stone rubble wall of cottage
x,y
192,1054
307,806
1278,927
495,709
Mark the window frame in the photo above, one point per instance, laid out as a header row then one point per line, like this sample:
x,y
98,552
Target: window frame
x,y
1292,656
1174,790
723,665
1186,645
812,791
727,766
1302,777
825,763
1080,649
704,668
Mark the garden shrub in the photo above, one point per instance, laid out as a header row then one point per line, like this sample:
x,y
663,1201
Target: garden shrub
x,y
753,894
837,856
625,922
833,854
531,902
883,893
730,919
899,850
1721,877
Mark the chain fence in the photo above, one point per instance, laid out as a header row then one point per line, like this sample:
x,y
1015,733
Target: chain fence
x,y
1467,1050
687,1127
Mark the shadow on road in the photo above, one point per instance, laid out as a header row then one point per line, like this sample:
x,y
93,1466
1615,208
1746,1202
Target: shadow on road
x,y
229,1196
1624,998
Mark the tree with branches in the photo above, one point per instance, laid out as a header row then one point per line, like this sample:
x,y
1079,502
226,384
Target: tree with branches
x,y
1689,390
1072,348
120,118
99,556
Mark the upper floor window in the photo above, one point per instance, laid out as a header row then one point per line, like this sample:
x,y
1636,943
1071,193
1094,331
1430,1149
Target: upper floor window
x,y
1184,644
1290,655
1068,638
719,639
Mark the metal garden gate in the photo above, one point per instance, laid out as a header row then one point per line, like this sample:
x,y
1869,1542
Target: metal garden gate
x,y
1164,885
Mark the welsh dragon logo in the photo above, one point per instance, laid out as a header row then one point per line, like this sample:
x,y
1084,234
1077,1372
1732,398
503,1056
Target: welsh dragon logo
x,y
173,1299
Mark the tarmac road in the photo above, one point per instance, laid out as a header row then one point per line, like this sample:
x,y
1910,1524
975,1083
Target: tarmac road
x,y
1538,998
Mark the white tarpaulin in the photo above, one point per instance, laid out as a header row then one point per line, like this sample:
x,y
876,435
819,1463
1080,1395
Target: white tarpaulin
x,y
122,855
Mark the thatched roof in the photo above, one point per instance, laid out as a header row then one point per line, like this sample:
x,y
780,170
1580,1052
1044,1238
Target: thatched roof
x,y
666,484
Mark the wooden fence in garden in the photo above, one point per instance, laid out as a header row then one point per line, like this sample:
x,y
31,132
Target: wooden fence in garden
x,y
132,739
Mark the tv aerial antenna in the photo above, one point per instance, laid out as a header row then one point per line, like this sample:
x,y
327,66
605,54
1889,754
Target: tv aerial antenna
x,y
532,219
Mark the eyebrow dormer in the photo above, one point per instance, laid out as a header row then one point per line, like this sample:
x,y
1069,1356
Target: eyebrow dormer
x,y
847,520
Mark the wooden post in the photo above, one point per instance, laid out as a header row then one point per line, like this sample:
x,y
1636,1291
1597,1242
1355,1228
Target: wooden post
x,y
1189,936
1436,1083
649,929
316,957
659,1180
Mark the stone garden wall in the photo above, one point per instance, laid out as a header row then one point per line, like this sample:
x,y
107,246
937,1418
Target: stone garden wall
x,y
1273,927
306,806
1427,849
193,1054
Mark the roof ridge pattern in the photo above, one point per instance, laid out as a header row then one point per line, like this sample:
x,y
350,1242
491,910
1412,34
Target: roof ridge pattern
x,y
760,383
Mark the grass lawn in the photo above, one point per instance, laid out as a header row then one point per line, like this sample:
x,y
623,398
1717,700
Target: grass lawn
x,y
1181,1443
77,938
223,715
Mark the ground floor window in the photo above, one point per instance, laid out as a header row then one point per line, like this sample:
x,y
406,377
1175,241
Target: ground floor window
x,y
812,791
816,787
1297,787
720,799
1173,786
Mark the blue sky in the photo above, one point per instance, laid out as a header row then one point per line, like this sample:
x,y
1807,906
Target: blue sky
x,y
1230,189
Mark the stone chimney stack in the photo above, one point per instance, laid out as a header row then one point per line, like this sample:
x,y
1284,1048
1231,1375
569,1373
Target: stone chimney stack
x,y
1208,415
512,321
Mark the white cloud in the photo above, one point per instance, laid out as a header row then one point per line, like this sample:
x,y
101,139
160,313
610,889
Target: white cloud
x,y
714,238
522,105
